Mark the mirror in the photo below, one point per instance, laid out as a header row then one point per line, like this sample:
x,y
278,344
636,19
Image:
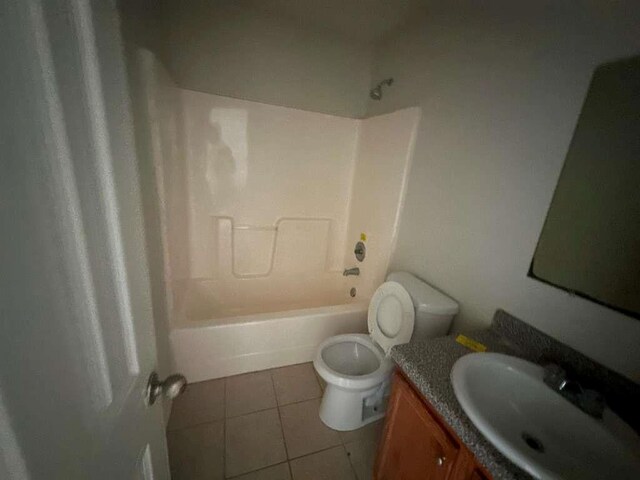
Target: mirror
x,y
590,241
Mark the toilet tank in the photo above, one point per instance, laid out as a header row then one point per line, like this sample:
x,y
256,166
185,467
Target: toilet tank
x,y
434,310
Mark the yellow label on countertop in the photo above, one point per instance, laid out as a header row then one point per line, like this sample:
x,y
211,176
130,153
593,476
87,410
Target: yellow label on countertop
x,y
472,344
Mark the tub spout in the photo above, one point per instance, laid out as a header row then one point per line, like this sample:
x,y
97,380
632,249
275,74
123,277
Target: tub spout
x,y
351,271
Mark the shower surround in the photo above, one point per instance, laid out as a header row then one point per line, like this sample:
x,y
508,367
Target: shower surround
x,y
261,208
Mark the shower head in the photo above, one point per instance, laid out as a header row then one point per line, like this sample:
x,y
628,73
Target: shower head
x,y
376,92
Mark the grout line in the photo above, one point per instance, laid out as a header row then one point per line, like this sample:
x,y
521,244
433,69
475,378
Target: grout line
x,y
258,470
224,429
278,407
262,410
224,397
199,424
353,468
317,451
284,440
250,413
299,401
271,408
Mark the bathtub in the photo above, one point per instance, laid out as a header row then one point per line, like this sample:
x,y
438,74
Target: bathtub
x,y
211,342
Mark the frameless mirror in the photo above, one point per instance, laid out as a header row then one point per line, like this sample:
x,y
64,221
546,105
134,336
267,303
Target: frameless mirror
x,y
590,242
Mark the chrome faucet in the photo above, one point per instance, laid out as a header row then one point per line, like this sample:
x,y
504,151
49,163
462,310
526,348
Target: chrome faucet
x,y
589,401
351,271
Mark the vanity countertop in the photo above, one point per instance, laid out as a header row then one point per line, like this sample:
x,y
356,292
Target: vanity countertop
x,y
428,365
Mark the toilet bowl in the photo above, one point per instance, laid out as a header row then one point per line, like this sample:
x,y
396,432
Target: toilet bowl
x,y
354,369
357,368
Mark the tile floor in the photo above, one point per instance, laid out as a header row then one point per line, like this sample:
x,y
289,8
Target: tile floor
x,y
264,426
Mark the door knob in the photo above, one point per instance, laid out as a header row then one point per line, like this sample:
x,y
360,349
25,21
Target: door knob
x,y
171,387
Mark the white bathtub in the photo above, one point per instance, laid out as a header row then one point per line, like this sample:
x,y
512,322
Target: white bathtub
x,y
222,346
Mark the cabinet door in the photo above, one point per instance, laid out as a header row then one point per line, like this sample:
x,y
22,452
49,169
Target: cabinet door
x,y
414,446
478,475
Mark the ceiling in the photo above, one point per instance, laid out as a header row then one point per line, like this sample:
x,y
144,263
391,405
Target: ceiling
x,y
362,20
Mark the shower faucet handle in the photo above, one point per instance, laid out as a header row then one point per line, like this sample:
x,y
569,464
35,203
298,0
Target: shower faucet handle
x,y
360,251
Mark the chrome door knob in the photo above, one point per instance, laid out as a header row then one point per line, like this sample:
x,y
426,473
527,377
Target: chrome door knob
x,y
440,461
171,387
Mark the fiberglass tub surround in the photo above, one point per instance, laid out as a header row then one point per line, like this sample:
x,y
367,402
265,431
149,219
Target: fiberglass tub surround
x,y
262,207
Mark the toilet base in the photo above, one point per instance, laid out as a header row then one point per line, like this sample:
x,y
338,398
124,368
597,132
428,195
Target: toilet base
x,y
346,410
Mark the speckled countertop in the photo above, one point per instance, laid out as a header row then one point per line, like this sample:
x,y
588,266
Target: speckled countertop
x,y
428,365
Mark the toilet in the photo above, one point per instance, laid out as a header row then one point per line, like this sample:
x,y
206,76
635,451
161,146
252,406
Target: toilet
x,y
357,368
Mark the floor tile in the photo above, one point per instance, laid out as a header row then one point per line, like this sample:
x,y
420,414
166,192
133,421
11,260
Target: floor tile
x,y
249,393
331,464
370,432
277,472
197,452
362,456
304,432
201,402
321,382
253,441
296,383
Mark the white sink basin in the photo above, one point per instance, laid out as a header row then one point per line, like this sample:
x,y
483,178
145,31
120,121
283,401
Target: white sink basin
x,y
538,429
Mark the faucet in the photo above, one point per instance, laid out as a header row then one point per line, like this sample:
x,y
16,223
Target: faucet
x,y
351,271
589,401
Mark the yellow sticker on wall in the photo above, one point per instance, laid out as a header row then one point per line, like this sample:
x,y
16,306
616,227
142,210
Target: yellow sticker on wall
x,y
472,344
363,237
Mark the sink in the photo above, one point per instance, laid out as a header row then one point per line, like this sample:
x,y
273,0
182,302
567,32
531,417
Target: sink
x,y
537,428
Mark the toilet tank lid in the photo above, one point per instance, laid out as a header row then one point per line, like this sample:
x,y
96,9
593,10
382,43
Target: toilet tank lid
x,y
425,298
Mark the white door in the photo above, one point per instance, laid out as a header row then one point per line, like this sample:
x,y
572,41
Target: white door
x,y
77,341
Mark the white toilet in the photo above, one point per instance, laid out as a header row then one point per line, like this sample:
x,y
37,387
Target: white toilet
x,y
357,368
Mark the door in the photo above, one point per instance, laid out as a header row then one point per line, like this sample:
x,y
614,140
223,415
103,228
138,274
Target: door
x,y
76,334
413,445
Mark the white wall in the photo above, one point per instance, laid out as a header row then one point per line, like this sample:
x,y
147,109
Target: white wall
x,y
229,48
501,87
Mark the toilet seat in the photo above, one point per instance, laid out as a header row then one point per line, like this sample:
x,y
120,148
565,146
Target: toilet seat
x,y
390,322
391,316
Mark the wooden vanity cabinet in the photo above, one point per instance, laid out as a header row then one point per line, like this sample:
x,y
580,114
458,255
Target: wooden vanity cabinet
x,y
417,444
478,475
